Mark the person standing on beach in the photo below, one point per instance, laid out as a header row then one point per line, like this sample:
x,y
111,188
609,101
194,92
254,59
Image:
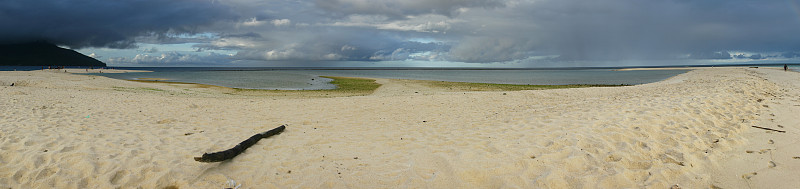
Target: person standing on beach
x,y
785,67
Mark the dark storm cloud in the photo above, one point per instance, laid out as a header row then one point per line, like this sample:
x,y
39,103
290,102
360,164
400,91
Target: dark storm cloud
x,y
626,29
102,23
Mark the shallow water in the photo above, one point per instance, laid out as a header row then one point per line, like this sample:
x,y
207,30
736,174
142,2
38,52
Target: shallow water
x,y
308,79
236,79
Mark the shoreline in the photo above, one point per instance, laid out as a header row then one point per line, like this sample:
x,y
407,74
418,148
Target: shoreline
x,y
84,131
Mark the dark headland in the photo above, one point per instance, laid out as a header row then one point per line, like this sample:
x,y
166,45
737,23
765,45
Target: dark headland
x,y
43,54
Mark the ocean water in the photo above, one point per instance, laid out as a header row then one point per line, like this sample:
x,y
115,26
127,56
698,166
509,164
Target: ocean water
x,y
308,79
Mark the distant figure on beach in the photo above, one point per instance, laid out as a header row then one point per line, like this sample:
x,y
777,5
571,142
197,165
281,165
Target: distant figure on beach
x,y
785,67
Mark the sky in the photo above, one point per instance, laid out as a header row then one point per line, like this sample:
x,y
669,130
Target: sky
x,y
413,33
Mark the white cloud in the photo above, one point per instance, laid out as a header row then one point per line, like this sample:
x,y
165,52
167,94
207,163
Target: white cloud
x,y
331,56
95,56
426,23
348,48
253,22
280,55
281,22
292,54
233,42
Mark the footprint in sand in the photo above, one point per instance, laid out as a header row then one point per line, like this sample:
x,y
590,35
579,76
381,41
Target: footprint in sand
x,y
67,149
18,175
749,175
119,175
46,173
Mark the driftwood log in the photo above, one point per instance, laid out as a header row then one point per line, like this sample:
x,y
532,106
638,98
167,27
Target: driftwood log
x,y
769,129
239,148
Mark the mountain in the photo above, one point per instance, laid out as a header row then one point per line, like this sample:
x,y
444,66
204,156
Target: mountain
x,y
43,54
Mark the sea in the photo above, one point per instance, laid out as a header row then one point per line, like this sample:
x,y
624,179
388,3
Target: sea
x,y
309,78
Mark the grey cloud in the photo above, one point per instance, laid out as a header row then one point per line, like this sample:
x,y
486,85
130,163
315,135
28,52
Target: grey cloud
x,y
404,51
494,31
401,9
151,50
489,49
790,54
350,48
323,43
711,55
170,37
243,35
98,23
174,58
499,31
626,29
756,57
236,41
476,31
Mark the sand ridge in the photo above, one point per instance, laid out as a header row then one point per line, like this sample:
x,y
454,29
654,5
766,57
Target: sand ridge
x,y
76,131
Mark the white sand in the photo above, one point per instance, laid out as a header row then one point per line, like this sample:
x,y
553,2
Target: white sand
x,y
75,131
665,68
76,70
770,159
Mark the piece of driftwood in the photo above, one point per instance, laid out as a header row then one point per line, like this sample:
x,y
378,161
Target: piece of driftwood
x,y
239,148
769,129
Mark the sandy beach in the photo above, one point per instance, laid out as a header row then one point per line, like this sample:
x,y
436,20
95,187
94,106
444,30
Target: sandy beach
x,y
694,130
